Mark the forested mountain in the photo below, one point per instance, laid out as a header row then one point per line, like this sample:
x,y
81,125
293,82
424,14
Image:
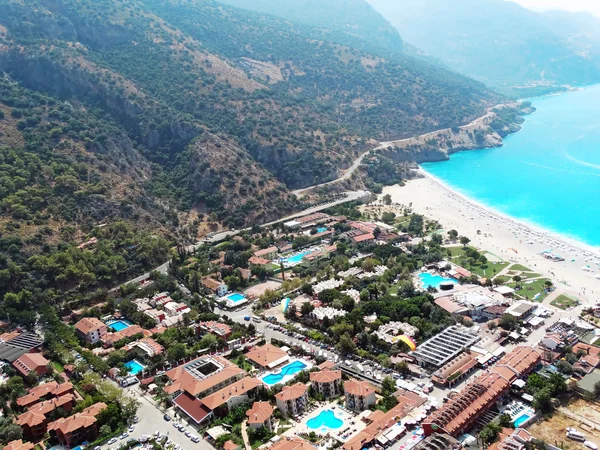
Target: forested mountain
x,y
352,22
220,109
495,41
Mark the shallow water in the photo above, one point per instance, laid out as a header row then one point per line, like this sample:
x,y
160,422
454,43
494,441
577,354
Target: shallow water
x,y
547,174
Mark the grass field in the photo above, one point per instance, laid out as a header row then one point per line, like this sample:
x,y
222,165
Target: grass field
x,y
520,268
564,302
488,269
529,291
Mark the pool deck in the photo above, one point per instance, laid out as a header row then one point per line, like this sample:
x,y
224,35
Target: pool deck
x,y
347,417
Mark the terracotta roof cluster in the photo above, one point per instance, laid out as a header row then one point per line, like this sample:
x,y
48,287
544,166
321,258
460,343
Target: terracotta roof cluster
x,y
30,362
380,421
358,387
35,394
292,392
182,380
326,376
325,365
222,396
211,283
265,251
292,443
19,445
459,365
217,328
259,412
364,237
149,345
256,261
112,338
89,324
84,419
266,355
476,398
36,415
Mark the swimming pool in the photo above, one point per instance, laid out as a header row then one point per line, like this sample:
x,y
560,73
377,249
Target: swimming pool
x,y
119,325
288,371
296,259
236,297
521,420
134,367
326,418
429,280
321,229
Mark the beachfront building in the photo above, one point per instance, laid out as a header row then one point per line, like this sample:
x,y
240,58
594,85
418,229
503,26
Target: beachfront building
x,y
91,329
267,356
462,411
292,400
328,383
360,395
261,416
444,346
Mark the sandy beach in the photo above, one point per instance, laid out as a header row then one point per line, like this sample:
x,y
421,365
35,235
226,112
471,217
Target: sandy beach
x,y
503,236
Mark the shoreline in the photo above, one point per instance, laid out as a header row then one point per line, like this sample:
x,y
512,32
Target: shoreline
x,y
533,228
503,236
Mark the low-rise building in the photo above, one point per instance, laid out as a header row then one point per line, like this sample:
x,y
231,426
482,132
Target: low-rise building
x,y
32,362
445,346
19,445
326,311
328,383
44,391
292,400
360,395
219,329
91,329
267,356
110,339
147,345
267,253
261,415
292,443
216,287
80,427
454,371
34,421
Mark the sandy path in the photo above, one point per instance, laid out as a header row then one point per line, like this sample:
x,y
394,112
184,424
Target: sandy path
x,y
436,201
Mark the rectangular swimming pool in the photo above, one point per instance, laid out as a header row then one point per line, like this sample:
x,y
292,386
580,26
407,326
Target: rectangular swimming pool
x,y
134,367
119,325
296,259
236,297
429,280
521,420
287,372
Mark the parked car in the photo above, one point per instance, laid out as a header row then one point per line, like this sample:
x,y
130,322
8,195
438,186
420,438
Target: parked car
x,y
131,428
167,417
247,318
111,441
124,435
195,439
591,445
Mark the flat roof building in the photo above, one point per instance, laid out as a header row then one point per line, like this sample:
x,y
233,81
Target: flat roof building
x,y
444,346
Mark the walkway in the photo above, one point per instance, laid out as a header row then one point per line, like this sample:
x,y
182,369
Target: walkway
x,y
245,436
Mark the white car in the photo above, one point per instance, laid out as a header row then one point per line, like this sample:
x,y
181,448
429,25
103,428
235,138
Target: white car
x,y
591,445
131,428
112,441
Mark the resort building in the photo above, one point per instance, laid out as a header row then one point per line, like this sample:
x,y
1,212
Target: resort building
x,y
261,415
219,329
460,413
216,287
19,445
44,391
512,439
455,371
110,339
328,383
16,343
439,442
32,362
389,332
255,261
521,309
327,311
74,430
383,429
226,399
173,309
292,443
91,329
360,395
292,400
34,421
366,237
267,356
444,346
147,345
267,253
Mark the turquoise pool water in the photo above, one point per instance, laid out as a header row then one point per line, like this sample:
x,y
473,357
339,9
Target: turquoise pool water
x,y
321,229
547,174
296,258
286,303
288,370
134,367
325,418
521,420
235,297
433,280
119,325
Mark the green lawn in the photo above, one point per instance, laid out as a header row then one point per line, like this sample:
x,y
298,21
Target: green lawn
x,y
530,275
57,367
520,268
564,302
529,291
488,269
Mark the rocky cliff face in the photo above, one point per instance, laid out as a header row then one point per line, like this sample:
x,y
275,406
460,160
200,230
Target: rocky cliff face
x,y
484,132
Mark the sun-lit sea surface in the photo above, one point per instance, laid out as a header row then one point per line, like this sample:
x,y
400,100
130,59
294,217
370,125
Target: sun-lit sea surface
x,y
547,174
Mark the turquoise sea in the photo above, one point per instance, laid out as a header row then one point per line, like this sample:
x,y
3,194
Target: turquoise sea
x,y
547,174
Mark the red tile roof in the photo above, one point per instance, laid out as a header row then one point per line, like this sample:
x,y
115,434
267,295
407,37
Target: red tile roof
x,y
88,324
292,392
30,362
364,237
326,376
192,406
266,355
19,445
358,387
259,412
236,389
84,419
292,443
